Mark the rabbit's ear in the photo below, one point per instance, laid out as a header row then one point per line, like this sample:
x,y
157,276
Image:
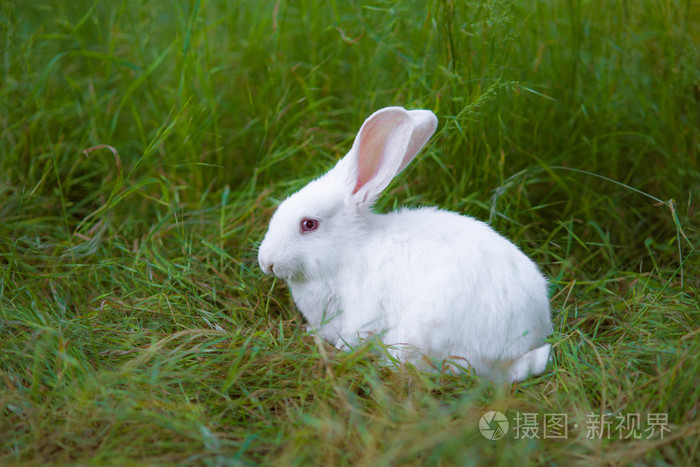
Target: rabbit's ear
x,y
388,140
424,125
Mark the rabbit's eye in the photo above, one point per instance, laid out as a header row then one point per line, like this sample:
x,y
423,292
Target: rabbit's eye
x,y
308,225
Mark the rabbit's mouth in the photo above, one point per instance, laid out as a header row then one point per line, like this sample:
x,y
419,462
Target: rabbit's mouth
x,y
283,272
276,270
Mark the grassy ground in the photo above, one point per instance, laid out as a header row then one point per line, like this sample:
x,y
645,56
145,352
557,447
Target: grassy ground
x,y
144,146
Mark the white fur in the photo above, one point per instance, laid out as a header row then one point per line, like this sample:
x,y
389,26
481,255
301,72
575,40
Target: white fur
x,y
428,282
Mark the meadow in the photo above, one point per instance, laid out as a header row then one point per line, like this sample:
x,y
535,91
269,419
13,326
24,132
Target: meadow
x,y
145,145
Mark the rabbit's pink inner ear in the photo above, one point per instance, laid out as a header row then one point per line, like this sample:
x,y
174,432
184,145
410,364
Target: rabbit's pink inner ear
x,y
379,140
369,152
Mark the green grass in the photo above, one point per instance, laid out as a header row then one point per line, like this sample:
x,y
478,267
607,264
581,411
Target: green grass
x,y
144,146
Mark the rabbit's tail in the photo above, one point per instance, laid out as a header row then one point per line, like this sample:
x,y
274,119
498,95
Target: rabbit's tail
x,y
532,363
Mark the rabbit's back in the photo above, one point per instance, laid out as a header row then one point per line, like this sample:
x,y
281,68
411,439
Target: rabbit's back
x,y
448,285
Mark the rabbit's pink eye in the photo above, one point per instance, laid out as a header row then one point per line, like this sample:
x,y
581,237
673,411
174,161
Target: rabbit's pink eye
x,y
308,225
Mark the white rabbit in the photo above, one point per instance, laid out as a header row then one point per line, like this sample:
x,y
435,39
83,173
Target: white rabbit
x,y
428,282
